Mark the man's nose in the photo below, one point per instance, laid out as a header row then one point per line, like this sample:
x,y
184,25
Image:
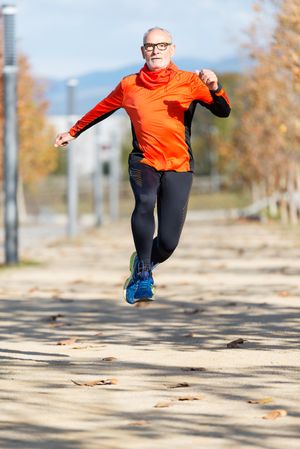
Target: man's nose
x,y
155,50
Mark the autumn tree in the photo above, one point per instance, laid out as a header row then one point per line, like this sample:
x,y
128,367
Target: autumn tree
x,y
37,155
265,144
37,158
286,49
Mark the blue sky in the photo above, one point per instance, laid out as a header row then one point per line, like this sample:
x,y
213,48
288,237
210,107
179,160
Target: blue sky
x,y
65,38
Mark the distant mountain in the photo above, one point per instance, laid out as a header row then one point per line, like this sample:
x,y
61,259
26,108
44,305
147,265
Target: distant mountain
x,y
92,87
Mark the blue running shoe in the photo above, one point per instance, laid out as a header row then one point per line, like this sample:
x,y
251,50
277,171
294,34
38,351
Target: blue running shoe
x,y
145,286
140,285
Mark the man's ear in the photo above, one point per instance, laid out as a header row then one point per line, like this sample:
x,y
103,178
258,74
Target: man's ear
x,y
143,51
173,49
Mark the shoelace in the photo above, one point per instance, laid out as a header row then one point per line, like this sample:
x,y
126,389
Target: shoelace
x,y
143,267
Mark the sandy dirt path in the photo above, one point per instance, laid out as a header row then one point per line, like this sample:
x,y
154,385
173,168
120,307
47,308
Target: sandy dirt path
x,y
175,382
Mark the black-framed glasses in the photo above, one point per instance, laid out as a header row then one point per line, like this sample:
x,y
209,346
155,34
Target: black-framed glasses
x,y
161,46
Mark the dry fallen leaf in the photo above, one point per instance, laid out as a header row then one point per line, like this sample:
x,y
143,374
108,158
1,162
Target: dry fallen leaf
x,y
236,343
274,414
83,347
260,401
138,423
69,341
284,293
190,335
179,399
109,359
55,293
192,311
54,317
193,369
179,385
162,404
189,398
93,383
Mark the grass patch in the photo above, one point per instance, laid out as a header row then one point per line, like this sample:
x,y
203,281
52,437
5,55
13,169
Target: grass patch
x,y
24,263
218,200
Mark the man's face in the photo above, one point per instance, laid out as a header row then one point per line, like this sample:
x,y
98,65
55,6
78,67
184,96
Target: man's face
x,y
156,58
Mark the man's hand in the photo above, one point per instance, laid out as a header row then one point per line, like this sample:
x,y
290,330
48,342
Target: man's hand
x,y
209,78
63,139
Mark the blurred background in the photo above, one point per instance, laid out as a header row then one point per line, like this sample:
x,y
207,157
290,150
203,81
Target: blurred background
x,y
248,162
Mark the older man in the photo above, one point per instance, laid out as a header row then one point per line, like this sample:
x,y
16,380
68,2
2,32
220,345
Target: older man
x,y
160,101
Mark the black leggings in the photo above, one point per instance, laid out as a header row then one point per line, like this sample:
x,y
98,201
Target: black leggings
x,y
171,190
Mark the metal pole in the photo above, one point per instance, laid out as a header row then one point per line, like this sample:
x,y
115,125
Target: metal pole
x,y
98,179
114,178
72,171
10,137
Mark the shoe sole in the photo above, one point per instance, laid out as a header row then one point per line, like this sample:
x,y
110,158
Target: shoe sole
x,y
132,257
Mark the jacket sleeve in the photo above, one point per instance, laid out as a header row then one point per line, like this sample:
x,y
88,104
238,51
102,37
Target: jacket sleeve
x,y
101,111
215,100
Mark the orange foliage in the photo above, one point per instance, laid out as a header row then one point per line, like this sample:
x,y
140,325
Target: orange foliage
x,y
37,157
266,143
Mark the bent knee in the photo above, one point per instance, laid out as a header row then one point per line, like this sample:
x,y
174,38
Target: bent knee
x,y
145,202
167,245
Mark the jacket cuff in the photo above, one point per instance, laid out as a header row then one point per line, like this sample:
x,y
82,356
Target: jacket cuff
x,y
72,132
216,91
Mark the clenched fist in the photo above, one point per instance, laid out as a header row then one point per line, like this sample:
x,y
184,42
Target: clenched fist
x,y
209,78
63,139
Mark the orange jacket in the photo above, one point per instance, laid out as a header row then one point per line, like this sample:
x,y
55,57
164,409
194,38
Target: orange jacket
x,y
161,115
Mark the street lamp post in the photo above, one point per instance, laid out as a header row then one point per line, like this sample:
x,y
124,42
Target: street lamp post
x,y
72,168
114,175
98,179
10,136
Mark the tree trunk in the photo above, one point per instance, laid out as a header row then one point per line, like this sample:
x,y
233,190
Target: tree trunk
x,y
292,196
254,192
283,206
273,206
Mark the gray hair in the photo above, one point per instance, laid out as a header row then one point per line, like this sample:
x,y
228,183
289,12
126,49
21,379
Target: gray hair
x,y
156,28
